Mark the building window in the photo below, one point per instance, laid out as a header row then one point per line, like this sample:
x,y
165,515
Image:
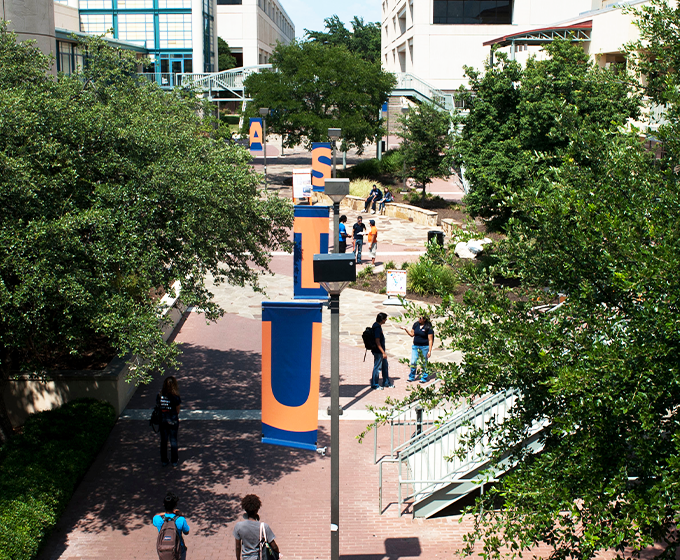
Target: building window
x,y
70,57
136,28
174,4
229,2
174,31
135,4
471,12
96,24
95,4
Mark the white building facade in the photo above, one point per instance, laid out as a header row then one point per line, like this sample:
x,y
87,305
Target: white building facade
x,y
252,28
435,39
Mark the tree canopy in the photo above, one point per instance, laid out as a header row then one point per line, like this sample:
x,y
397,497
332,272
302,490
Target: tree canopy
x,y
598,222
225,60
312,87
516,113
111,189
363,40
426,138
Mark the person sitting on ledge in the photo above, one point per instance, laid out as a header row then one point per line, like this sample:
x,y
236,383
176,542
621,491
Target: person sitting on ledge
x,y
374,196
387,198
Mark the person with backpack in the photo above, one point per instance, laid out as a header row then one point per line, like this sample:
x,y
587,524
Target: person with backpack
x,y
423,338
169,401
380,355
172,526
254,539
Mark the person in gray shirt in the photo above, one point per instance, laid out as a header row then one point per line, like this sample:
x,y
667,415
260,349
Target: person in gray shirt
x,y
247,532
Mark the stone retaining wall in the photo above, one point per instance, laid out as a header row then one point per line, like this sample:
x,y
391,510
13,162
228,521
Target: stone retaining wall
x,y
392,209
27,393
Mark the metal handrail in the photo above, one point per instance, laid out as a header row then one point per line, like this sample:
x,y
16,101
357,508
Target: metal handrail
x,y
406,80
231,79
421,454
406,426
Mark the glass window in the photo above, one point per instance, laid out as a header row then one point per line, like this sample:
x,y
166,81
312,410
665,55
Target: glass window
x,y
136,28
95,4
174,4
96,24
471,12
174,31
228,2
135,4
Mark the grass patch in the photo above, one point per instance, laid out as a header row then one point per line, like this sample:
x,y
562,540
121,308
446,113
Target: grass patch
x,y
40,469
361,187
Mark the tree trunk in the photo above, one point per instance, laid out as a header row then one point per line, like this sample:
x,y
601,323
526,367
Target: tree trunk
x,y
6,430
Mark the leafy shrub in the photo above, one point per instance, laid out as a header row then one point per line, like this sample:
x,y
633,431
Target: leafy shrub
x,y
390,265
40,468
366,272
429,278
405,265
374,169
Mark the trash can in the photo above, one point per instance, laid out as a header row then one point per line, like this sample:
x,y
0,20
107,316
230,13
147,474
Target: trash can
x,y
438,236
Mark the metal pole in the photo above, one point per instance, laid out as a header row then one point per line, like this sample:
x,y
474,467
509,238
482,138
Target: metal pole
x,y
336,227
264,133
344,159
335,425
334,159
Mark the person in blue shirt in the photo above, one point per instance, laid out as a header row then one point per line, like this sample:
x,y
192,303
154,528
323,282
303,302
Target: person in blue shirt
x,y
389,197
373,197
170,505
342,233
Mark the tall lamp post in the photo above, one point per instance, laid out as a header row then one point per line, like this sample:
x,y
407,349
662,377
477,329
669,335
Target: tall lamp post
x,y
334,134
334,273
264,111
336,190
404,112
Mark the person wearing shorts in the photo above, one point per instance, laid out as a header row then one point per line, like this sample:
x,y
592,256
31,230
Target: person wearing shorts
x,y
373,241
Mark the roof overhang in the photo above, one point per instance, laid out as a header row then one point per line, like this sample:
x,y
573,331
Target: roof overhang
x,y
68,35
575,32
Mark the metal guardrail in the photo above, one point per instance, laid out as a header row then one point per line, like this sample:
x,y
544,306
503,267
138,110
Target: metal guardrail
x,y
408,81
431,459
406,426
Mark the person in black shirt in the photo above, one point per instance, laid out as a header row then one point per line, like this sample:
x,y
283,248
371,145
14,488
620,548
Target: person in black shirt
x,y
379,355
373,197
169,401
357,235
423,338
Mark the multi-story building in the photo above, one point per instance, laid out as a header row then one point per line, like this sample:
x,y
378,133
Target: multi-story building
x,y
178,35
435,39
252,28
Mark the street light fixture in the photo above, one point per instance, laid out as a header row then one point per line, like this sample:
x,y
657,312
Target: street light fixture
x,y
334,273
336,190
334,135
404,111
264,111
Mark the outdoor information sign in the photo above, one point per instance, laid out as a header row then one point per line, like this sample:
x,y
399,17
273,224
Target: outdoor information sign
x,y
302,183
321,165
255,135
396,283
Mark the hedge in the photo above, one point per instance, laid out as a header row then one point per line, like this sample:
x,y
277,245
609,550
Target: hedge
x,y
40,468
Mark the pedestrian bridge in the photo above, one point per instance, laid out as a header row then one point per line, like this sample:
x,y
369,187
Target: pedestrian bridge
x,y
215,84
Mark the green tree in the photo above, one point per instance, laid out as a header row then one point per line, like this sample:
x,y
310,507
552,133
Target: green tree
x,y
109,189
312,87
600,373
426,139
225,60
363,40
516,113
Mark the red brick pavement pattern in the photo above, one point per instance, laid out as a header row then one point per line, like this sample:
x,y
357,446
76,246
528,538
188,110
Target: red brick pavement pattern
x,y
110,513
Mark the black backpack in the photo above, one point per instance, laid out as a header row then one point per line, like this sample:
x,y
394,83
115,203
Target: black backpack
x,y
368,337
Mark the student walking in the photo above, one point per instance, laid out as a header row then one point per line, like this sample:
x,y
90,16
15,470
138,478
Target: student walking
x,y
373,241
358,230
423,338
249,532
172,526
169,401
380,355
342,234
